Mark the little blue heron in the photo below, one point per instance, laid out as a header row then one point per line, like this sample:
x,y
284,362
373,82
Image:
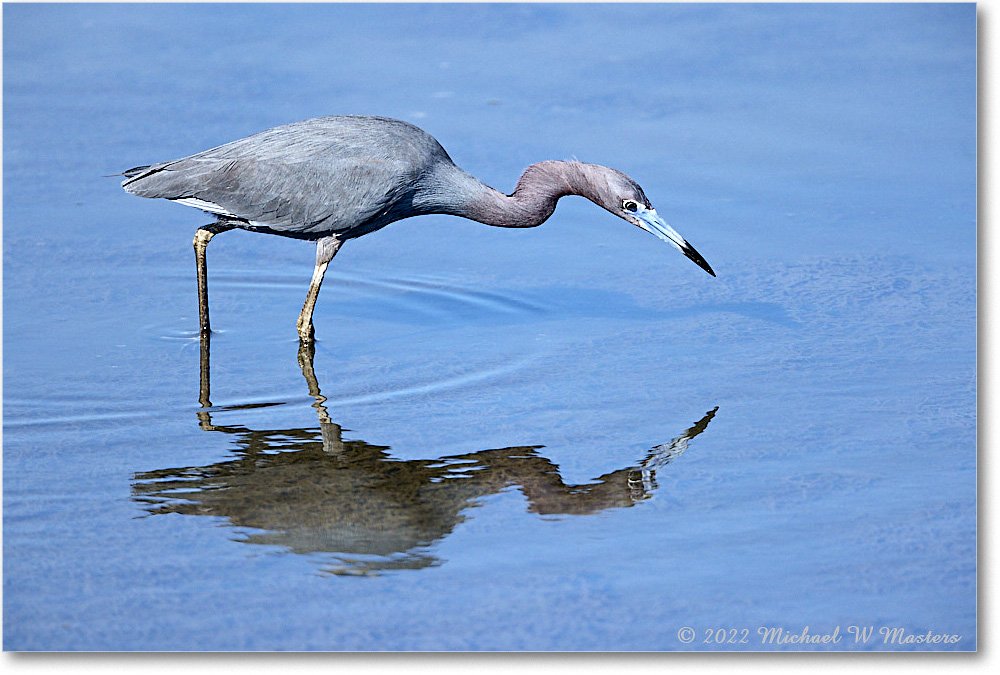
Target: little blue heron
x,y
331,179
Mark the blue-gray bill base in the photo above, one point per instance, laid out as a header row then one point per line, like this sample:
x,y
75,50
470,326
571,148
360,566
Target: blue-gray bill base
x,y
331,179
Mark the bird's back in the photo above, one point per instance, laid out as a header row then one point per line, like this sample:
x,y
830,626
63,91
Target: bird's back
x,y
344,174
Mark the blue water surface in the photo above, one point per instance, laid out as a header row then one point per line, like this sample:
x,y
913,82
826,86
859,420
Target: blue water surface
x,y
560,438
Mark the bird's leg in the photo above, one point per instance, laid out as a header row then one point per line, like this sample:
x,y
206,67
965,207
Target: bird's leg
x,y
201,239
205,381
326,248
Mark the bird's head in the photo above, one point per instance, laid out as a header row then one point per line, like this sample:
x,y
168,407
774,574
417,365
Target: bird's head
x,y
623,197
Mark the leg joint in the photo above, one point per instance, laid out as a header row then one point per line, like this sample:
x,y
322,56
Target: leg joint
x,y
206,232
326,248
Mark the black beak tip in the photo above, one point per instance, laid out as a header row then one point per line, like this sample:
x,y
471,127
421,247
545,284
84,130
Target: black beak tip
x,y
698,260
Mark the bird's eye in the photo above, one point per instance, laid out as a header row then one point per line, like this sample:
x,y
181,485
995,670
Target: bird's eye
x,y
630,206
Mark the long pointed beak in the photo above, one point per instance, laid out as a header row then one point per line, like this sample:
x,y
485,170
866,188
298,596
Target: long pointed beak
x,y
652,223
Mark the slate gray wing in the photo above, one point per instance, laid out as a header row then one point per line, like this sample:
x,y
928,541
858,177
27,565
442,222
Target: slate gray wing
x,y
305,180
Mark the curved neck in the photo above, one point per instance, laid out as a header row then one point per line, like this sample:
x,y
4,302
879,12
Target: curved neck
x,y
533,200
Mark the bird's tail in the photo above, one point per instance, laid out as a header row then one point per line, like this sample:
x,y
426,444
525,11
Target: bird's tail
x,y
131,173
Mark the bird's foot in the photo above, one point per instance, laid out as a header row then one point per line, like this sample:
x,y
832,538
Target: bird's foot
x,y
306,332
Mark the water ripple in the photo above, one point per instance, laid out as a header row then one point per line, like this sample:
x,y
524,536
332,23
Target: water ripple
x,y
472,376
408,300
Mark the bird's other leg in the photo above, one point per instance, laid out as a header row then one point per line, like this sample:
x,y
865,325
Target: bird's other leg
x,y
326,248
201,239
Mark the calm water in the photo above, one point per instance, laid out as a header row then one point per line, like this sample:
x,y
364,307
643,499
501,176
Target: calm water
x,y
566,438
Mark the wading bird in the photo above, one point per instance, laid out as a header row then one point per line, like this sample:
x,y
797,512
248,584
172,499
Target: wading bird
x,y
331,179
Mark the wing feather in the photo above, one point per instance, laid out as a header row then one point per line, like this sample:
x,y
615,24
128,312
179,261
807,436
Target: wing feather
x,y
319,176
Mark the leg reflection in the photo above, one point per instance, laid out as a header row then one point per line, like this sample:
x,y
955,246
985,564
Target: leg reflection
x,y
331,433
205,385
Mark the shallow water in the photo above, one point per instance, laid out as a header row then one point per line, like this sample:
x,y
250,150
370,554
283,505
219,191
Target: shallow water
x,y
565,438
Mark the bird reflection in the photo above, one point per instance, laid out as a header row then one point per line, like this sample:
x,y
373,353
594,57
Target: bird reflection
x,y
312,492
